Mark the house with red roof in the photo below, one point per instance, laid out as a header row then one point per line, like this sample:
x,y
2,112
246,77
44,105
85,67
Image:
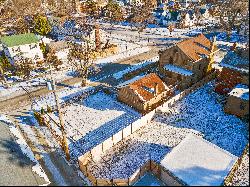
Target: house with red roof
x,y
145,93
188,61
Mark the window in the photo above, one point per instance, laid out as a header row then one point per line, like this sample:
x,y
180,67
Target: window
x,y
33,46
199,66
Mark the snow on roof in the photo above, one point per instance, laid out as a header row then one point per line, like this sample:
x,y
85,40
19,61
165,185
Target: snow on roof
x,y
177,69
196,161
240,91
144,87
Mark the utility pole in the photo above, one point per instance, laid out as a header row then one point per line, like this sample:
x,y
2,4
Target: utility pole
x,y
64,142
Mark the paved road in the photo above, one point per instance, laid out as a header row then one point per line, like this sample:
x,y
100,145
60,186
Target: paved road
x,y
12,157
15,167
107,70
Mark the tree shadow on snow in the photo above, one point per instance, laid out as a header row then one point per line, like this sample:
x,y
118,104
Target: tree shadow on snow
x,y
14,153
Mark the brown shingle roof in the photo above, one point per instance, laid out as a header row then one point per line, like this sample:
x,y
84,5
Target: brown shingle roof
x,y
196,48
143,86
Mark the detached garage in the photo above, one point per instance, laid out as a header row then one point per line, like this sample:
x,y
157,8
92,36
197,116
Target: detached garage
x,y
197,162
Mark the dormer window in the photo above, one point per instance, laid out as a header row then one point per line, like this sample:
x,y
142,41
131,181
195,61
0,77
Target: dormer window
x,y
150,90
18,49
32,46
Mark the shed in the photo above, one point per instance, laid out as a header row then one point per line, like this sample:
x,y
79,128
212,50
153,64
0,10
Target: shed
x,y
197,162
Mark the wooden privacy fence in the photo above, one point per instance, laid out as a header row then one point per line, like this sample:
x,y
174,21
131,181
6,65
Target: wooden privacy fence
x,y
181,95
150,166
96,152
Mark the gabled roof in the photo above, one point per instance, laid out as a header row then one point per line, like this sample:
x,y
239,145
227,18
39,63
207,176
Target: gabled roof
x,y
196,48
21,39
144,87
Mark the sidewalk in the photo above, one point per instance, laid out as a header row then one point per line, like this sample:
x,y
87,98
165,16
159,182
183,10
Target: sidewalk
x,y
50,157
15,167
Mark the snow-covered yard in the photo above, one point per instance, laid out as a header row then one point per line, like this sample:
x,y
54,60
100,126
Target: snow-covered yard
x,y
91,120
199,113
95,119
203,112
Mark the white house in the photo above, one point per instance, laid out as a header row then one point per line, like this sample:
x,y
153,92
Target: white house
x,y
25,45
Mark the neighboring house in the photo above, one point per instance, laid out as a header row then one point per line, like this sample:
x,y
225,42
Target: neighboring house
x,y
238,101
25,45
60,48
179,18
188,19
144,94
71,31
188,61
235,70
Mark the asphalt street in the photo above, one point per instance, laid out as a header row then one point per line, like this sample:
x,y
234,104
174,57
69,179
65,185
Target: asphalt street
x,y
15,167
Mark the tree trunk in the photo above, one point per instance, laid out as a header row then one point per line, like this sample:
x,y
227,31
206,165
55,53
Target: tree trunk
x,y
84,82
228,35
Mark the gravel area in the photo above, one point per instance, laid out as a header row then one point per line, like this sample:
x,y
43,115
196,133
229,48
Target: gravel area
x,y
241,176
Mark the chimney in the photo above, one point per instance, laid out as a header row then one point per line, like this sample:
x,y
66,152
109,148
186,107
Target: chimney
x,y
157,89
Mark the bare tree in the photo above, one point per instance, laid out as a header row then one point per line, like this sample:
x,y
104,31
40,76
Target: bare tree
x,y
52,60
231,14
81,59
23,67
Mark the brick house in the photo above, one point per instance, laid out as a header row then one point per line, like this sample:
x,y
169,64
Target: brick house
x,y
144,94
188,61
238,101
235,70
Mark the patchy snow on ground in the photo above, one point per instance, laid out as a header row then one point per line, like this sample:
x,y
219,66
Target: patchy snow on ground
x,y
153,141
199,113
63,95
25,148
122,55
90,120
